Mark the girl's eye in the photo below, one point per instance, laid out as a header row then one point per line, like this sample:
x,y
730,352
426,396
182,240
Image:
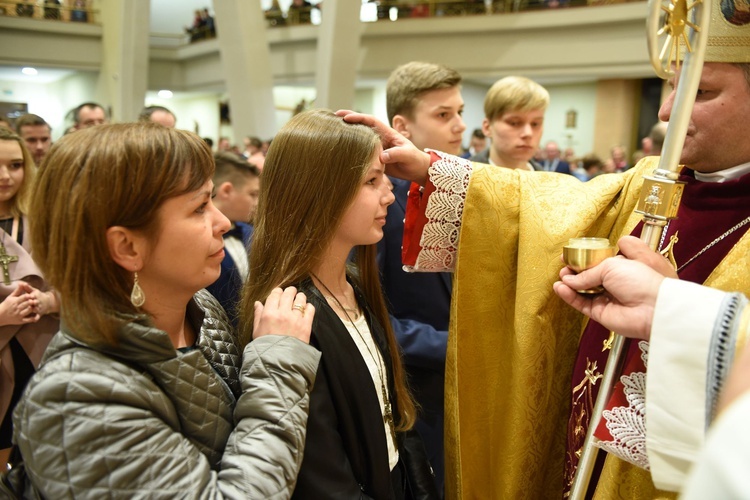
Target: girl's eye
x,y
16,165
202,208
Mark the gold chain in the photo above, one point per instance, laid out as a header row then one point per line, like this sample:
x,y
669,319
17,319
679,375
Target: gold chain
x,y
387,412
353,310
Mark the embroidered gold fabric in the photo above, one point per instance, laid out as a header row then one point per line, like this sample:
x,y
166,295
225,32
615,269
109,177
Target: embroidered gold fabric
x,y
742,332
582,405
513,342
728,32
623,481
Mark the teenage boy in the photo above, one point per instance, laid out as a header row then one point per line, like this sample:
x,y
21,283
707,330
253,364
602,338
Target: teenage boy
x,y
236,184
424,103
513,121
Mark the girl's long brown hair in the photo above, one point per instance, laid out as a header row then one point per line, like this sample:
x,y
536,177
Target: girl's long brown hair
x,y
314,169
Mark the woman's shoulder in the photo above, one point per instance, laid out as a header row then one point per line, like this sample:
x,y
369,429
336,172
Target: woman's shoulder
x,y
215,324
67,360
307,287
73,375
218,341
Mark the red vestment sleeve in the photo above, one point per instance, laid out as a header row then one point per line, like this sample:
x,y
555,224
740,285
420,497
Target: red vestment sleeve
x,y
416,219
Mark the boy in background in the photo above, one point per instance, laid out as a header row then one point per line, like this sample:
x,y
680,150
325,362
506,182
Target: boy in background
x,y
236,184
513,121
424,103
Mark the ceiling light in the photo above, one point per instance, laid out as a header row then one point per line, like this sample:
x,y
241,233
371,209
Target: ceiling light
x,y
29,71
165,94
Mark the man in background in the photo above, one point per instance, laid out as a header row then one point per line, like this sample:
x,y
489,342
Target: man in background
x,y
553,162
37,134
89,114
158,114
477,143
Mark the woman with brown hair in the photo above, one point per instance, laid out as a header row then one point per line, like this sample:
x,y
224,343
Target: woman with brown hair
x,y
324,193
28,308
145,390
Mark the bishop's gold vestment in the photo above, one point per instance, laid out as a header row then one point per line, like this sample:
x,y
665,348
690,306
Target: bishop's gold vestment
x,y
512,342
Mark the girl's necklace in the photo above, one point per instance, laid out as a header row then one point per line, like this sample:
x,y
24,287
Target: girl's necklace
x,y
353,310
6,259
387,412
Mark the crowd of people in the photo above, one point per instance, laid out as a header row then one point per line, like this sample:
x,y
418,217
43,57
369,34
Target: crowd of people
x,y
300,11
203,27
171,218
440,8
199,322
75,11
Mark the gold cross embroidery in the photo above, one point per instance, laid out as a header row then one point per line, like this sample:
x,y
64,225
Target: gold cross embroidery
x,y
590,375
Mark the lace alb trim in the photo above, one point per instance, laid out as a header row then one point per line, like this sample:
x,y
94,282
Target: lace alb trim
x,y
439,241
627,424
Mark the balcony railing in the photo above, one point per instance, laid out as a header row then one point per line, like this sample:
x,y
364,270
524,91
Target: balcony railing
x,y
392,10
69,11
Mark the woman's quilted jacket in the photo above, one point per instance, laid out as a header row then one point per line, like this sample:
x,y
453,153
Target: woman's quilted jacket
x,y
142,420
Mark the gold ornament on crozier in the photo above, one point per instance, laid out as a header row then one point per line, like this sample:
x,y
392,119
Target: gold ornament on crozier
x,y
675,26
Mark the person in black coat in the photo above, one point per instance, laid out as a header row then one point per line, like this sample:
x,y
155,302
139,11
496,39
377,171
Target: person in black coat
x,y
360,442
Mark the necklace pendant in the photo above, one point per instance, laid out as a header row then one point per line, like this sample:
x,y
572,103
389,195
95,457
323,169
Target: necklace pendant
x,y
5,260
388,414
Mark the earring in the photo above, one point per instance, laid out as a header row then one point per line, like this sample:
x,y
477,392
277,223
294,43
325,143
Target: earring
x,y
137,297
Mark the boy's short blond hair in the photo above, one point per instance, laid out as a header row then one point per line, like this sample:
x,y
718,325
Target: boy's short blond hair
x,y
514,93
409,81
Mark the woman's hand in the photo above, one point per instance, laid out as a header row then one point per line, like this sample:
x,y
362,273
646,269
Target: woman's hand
x,y
20,307
401,158
284,313
47,302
